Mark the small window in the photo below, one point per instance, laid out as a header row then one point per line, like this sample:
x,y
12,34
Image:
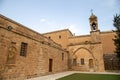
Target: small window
x,y
82,61
23,49
94,26
62,56
59,36
49,37
74,62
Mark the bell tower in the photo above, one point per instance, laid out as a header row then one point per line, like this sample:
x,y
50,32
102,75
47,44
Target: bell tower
x,y
93,22
95,32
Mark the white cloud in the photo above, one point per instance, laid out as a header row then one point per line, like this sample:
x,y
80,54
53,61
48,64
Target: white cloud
x,y
43,20
73,28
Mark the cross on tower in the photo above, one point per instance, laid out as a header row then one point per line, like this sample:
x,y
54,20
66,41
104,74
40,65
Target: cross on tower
x,y
91,11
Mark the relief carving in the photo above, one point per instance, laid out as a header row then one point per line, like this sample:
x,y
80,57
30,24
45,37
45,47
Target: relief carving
x,y
11,55
12,52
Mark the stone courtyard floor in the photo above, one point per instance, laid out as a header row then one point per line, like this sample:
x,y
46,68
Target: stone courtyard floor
x,y
62,74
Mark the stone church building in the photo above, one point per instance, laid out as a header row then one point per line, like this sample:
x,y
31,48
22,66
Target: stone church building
x,y
25,53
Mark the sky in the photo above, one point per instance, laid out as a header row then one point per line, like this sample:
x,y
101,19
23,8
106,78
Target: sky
x,y
50,15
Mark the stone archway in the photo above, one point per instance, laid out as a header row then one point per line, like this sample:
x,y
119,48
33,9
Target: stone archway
x,y
83,60
85,49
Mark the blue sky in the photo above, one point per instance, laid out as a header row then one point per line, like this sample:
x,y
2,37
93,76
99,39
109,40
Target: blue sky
x,y
50,15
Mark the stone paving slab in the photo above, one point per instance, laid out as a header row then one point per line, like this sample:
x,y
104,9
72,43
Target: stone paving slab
x,y
62,74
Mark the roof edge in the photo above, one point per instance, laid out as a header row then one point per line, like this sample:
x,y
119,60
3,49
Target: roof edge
x,y
58,31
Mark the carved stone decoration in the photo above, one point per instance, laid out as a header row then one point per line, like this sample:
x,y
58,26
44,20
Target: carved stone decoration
x,y
11,52
11,55
9,28
1,68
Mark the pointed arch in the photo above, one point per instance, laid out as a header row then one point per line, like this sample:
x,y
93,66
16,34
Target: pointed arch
x,y
85,49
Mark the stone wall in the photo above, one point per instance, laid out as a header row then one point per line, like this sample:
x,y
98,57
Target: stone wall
x,y
49,49
60,37
78,39
107,42
87,51
40,49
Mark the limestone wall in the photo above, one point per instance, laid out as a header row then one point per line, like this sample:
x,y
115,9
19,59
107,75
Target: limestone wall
x,y
107,42
60,37
87,51
79,39
39,50
106,39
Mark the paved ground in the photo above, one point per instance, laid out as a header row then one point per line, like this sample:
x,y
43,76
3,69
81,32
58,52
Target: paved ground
x,y
62,74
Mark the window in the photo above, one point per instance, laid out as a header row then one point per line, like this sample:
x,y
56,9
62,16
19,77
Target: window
x,y
23,49
62,56
94,26
49,37
59,36
74,62
82,61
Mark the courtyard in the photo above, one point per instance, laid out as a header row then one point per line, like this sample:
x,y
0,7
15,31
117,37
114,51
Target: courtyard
x,y
80,76
77,75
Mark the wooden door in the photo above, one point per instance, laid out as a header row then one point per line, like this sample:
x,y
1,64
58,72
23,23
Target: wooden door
x,y
50,65
91,63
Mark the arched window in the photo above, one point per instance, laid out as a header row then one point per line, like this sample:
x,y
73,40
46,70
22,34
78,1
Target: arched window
x,y
94,26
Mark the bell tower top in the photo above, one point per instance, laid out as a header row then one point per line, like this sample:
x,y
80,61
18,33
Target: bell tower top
x,y
95,33
93,22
